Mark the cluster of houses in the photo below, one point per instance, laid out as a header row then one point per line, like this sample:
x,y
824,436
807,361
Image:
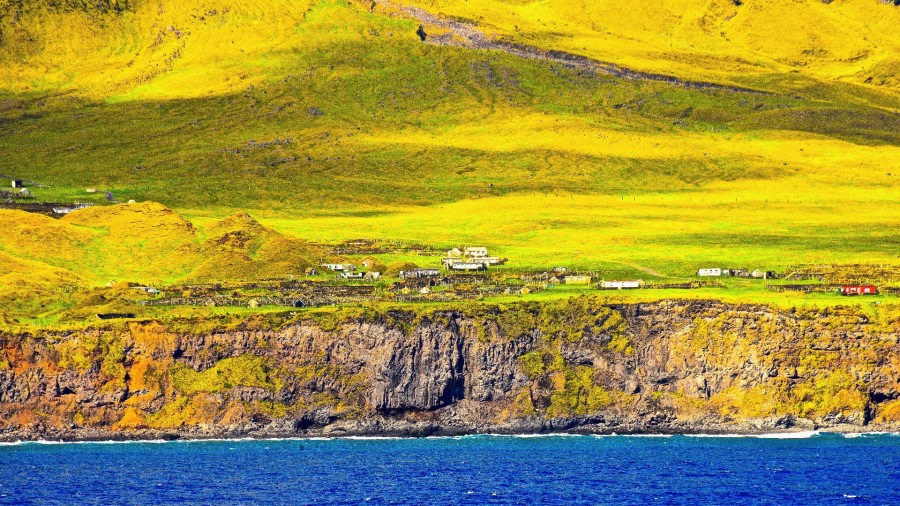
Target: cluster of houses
x,y
561,276
717,272
578,279
470,258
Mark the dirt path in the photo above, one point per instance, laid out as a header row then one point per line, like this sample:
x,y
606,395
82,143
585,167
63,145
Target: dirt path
x,y
644,269
465,35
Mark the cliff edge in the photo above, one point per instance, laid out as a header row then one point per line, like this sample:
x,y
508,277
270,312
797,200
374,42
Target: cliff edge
x,y
578,365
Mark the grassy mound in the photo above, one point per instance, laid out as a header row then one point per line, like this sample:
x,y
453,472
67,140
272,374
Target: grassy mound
x,y
82,264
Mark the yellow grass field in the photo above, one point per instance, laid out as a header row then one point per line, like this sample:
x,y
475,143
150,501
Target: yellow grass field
x,y
243,130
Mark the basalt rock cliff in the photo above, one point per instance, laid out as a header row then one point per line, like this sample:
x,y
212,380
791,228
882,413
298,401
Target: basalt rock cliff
x,y
578,365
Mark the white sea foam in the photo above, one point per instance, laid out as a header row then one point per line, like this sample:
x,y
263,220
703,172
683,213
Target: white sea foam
x,y
107,442
789,435
642,435
769,435
773,435
717,435
865,434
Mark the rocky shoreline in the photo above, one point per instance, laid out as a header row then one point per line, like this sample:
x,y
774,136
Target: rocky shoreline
x,y
407,430
579,366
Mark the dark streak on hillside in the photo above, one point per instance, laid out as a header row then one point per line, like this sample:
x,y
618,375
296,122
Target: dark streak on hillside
x,y
468,36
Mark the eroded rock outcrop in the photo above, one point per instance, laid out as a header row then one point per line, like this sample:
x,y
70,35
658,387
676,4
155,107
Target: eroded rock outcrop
x,y
574,365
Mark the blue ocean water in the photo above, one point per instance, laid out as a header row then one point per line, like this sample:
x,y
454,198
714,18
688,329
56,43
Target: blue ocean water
x,y
821,469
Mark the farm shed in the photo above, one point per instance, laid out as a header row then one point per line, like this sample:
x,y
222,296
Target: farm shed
x,y
761,274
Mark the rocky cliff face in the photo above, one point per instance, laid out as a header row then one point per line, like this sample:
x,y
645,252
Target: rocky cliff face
x,y
576,365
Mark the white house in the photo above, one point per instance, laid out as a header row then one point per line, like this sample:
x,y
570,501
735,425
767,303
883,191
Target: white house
x,y
420,273
467,266
340,267
618,285
352,275
454,253
475,252
709,272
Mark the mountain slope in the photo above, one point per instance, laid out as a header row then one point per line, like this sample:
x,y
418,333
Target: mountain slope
x,y
333,120
719,40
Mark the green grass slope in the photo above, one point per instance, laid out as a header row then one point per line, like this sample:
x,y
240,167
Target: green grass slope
x,y
331,120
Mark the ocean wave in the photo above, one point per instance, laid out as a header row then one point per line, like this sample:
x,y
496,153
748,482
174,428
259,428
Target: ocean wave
x,y
869,434
789,435
103,442
769,435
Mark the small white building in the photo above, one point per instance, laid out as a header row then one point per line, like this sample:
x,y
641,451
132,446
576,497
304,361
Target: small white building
x,y
467,266
419,273
619,285
761,274
352,275
454,253
340,267
373,275
711,272
476,252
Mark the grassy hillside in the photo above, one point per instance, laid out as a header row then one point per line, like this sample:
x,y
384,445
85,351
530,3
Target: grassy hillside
x,y
752,43
51,264
331,120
